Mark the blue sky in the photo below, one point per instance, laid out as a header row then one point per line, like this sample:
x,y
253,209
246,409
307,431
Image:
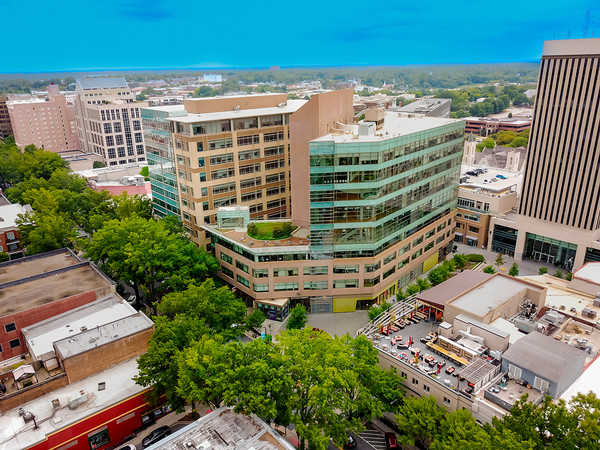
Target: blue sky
x,y
106,34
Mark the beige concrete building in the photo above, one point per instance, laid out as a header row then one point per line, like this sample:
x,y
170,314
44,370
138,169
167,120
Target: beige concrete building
x,y
47,122
109,121
558,221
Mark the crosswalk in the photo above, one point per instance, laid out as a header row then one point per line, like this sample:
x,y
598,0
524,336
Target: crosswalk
x,y
374,438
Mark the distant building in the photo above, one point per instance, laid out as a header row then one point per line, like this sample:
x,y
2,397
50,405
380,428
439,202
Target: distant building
x,y
118,180
432,107
109,121
484,126
558,220
5,125
47,122
223,429
212,78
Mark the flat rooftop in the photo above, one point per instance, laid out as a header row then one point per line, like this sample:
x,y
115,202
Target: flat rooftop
x,y
15,434
483,181
589,272
31,282
291,107
490,295
298,242
224,429
9,214
437,296
395,125
500,120
68,329
165,108
568,47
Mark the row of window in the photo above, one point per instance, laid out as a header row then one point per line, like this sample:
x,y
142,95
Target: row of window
x,y
13,344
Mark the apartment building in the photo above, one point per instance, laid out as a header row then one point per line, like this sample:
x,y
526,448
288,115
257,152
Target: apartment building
x,y
10,237
559,211
5,126
374,206
109,121
47,122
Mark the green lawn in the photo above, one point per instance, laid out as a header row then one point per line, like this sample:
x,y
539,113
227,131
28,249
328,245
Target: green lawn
x,y
264,231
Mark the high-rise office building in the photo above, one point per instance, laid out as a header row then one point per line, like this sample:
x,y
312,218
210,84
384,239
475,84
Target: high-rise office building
x,y
47,122
374,206
559,211
109,120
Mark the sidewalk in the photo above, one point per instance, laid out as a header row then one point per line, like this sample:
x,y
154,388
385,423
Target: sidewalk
x,y
526,267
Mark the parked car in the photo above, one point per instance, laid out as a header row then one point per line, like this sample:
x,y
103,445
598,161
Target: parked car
x,y
351,443
450,370
155,436
390,442
502,177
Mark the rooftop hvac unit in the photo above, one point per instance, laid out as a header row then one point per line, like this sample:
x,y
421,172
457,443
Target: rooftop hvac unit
x,y
77,399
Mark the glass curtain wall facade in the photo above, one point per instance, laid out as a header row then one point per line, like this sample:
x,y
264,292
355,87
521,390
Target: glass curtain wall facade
x,y
553,251
367,196
161,163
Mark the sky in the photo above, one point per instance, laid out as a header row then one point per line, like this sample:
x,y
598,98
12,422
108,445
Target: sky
x,y
146,34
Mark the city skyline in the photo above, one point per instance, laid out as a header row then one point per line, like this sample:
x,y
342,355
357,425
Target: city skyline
x,y
278,34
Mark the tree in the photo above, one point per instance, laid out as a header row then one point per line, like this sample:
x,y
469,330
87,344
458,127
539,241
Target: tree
x,y
505,137
460,261
543,270
489,269
510,115
520,99
514,270
460,430
375,310
559,274
255,320
486,143
412,289
298,319
423,284
148,256
499,260
419,419
519,142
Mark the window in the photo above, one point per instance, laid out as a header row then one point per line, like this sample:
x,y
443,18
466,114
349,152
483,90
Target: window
x,y
98,439
251,168
272,151
446,401
244,184
417,254
274,178
389,258
245,124
249,154
540,384
112,153
260,287
138,138
515,371
372,267
226,258
473,229
275,191
248,140
389,272
117,127
227,272
443,225
10,327
218,174
285,286
221,159
110,140
315,270
242,266
14,343
430,233
217,144
344,284
275,136
260,273
417,241
243,281
270,121
426,388
415,381
314,285
370,282
270,165
222,188
346,269
285,272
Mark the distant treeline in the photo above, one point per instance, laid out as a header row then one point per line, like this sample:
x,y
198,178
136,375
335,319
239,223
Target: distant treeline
x,y
405,78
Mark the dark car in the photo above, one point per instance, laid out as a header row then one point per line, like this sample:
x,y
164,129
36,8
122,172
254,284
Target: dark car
x,y
155,436
351,443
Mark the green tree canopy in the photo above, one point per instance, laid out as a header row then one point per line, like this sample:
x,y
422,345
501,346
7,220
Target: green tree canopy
x,y
298,319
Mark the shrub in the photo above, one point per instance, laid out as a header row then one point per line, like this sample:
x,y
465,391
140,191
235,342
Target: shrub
x,y
569,276
489,269
475,258
514,270
459,261
543,270
559,274
252,229
376,310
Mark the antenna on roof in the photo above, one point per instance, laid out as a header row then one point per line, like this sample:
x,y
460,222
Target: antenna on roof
x,y
586,24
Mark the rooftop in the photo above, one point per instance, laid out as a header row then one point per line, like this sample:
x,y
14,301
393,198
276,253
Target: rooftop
x,y
490,294
290,107
566,47
590,272
105,320
512,182
9,214
37,280
438,295
86,83
544,355
224,429
424,105
395,125
297,242
515,121
15,434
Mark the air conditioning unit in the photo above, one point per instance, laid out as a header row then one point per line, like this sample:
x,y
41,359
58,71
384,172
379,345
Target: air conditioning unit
x,y
77,399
